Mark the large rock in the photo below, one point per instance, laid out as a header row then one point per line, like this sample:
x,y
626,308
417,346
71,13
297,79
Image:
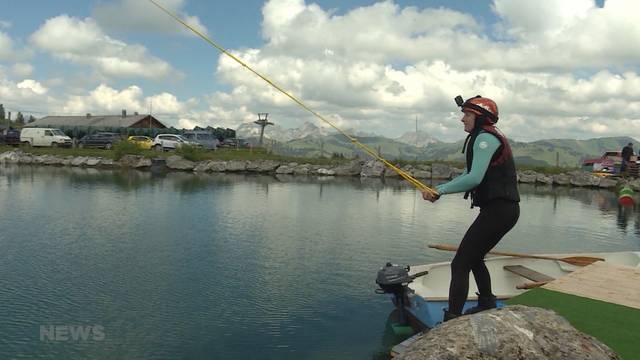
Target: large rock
x,y
176,162
262,166
135,161
527,176
11,157
515,332
372,168
581,178
441,171
561,179
302,169
353,168
608,183
544,179
236,165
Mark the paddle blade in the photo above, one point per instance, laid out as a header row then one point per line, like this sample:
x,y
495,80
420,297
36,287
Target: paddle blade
x,y
580,260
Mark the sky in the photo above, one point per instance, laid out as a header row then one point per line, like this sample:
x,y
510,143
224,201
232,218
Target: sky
x,y
556,68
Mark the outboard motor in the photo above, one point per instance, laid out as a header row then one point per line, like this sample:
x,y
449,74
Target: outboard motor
x,y
393,279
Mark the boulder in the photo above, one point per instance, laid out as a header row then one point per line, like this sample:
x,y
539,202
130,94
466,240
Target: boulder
x,y
262,166
581,178
353,168
544,179
372,168
607,183
93,161
285,169
135,161
79,161
176,162
561,179
527,176
303,169
441,171
421,174
236,166
514,332
202,166
325,172
218,166
25,159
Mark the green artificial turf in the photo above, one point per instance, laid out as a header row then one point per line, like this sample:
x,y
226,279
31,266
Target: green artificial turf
x,y
615,325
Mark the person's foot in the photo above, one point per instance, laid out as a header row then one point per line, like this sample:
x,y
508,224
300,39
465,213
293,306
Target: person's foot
x,y
448,315
484,303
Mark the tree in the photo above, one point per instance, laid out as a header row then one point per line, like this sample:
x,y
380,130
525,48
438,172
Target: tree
x,y
31,119
19,119
2,115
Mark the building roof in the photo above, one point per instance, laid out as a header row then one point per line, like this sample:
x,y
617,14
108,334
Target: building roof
x,y
92,120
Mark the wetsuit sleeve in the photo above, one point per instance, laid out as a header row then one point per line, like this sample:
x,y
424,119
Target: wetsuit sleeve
x,y
483,149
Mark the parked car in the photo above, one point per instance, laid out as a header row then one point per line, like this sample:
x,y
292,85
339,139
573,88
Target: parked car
x,y
142,142
104,140
44,137
171,141
204,138
235,142
10,137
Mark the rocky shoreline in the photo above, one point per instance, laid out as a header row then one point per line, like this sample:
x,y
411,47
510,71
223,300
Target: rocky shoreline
x,y
371,168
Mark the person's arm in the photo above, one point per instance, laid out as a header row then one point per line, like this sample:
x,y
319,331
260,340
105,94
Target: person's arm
x,y
484,148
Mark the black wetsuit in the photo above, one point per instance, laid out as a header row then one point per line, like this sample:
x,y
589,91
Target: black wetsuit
x,y
498,197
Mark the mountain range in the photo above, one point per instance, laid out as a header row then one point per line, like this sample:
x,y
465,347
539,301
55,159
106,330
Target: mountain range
x,y
312,141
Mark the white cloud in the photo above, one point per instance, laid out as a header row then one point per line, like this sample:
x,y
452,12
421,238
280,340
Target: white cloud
x,y
83,42
378,67
143,16
32,85
6,46
107,100
22,69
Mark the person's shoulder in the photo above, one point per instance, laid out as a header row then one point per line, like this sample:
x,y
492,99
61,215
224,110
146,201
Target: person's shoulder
x,y
487,140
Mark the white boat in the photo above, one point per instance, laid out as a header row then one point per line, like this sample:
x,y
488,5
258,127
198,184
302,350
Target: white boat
x,y
425,292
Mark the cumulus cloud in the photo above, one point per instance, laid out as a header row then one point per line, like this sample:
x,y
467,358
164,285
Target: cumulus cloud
x,y
378,67
143,16
107,100
83,42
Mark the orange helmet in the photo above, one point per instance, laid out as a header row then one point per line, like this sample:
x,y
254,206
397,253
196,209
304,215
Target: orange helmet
x,y
480,106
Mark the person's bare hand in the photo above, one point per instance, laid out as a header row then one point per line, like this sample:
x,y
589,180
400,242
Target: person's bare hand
x,y
430,196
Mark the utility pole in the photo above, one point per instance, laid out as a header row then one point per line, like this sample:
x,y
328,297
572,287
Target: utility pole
x,y
263,122
416,138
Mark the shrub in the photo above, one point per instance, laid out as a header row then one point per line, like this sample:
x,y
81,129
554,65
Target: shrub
x,y
125,148
191,153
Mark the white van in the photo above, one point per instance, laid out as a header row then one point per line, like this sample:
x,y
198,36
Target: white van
x,y
44,137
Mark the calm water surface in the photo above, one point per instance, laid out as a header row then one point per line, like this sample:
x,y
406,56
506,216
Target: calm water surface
x,y
179,266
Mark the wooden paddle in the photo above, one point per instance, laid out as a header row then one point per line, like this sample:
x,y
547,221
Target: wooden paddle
x,y
573,260
531,285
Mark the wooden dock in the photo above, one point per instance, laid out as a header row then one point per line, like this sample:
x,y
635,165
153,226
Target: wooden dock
x,y
602,281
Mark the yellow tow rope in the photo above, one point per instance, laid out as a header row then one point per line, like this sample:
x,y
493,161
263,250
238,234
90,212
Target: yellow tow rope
x,y
367,149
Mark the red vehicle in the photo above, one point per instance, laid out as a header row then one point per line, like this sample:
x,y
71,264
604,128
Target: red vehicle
x,y
609,162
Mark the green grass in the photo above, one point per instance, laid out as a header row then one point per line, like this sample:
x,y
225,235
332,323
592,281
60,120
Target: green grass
x,y
615,325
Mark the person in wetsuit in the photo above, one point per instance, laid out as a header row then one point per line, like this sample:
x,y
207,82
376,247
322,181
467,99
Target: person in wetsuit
x,y
491,181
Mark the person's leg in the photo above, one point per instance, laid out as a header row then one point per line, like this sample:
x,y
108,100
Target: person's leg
x,y
461,265
493,222
504,215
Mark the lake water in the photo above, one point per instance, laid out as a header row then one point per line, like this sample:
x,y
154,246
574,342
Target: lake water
x,y
179,266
